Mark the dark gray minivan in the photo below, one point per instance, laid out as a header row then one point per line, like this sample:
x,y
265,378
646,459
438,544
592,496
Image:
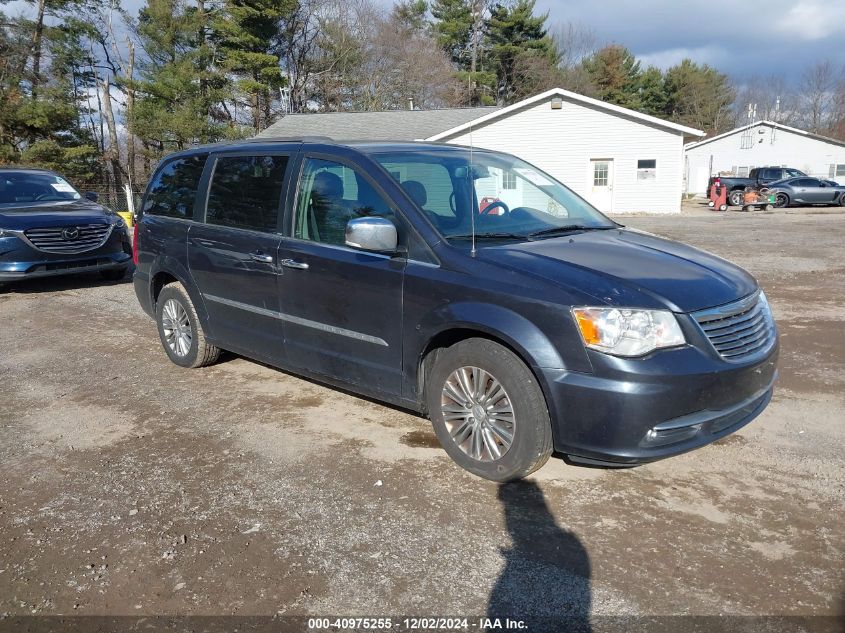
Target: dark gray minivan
x,y
466,285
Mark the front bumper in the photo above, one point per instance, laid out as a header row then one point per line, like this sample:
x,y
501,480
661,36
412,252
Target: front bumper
x,y
634,411
19,260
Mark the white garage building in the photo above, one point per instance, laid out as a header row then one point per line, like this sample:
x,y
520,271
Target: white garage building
x,y
621,160
763,144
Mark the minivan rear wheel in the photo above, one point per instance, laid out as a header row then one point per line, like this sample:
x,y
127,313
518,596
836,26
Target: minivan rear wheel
x,y
488,410
179,329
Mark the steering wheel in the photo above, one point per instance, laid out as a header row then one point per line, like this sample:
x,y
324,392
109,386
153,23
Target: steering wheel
x,y
498,203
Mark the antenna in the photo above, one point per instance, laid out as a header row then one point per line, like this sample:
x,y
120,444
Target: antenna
x,y
472,209
284,100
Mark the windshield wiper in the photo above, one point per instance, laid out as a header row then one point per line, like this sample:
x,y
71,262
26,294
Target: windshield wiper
x,y
559,230
489,236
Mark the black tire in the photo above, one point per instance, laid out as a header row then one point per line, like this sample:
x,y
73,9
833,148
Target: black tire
x,y
781,200
736,198
531,429
842,200
199,352
113,274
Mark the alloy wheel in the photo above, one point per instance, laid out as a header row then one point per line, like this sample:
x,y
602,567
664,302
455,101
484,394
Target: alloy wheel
x,y
478,413
176,327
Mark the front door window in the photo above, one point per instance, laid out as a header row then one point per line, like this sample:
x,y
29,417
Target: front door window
x,y
331,194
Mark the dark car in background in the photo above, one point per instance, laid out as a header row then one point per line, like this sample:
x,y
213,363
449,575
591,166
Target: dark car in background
x,y
48,228
528,326
805,190
757,178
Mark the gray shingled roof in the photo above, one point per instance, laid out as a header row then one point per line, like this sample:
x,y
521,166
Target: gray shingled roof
x,y
394,125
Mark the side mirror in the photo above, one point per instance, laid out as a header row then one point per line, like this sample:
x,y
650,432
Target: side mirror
x,y
372,234
93,196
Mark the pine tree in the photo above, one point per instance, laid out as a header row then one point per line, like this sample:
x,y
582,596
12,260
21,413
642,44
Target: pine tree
x,y
40,119
411,15
247,32
615,74
453,29
653,99
699,96
179,92
513,31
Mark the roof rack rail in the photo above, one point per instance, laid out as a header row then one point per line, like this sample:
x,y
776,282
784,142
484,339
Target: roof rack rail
x,y
289,139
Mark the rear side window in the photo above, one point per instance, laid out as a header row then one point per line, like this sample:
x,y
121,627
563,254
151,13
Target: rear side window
x,y
173,189
246,192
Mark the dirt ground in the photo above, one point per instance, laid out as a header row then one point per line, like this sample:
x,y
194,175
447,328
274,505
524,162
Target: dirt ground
x,y
131,486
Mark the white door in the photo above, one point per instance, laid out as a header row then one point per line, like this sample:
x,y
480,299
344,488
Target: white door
x,y
601,184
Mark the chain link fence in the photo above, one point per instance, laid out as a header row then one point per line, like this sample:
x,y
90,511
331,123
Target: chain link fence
x,y
113,197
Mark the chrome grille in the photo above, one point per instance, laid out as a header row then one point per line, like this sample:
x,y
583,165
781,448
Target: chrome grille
x,y
69,239
739,329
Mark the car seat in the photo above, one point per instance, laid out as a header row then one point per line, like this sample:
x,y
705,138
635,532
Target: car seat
x,y
326,208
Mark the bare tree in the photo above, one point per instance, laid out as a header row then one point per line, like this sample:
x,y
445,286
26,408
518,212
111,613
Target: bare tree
x,y
817,96
406,64
574,42
772,97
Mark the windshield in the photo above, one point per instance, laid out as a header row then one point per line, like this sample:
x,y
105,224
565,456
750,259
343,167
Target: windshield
x,y
29,187
503,196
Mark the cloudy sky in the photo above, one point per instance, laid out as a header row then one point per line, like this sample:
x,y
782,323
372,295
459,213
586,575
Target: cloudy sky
x,y
740,37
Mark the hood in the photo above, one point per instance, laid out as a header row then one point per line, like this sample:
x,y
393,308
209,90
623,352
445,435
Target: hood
x,y
623,267
52,214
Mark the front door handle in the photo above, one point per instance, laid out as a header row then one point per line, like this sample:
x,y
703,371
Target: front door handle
x,y
261,257
292,263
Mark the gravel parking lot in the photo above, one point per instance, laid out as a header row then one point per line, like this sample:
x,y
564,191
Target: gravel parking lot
x,y
134,487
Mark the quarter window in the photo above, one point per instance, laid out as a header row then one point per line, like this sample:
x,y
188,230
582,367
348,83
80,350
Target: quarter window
x,y
246,192
174,188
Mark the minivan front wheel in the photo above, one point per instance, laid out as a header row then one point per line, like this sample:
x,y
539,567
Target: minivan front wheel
x,y
488,410
179,329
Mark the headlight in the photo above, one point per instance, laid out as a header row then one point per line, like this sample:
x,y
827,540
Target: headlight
x,y
624,332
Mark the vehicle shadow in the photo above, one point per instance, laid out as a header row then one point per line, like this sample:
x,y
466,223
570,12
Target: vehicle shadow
x,y
61,283
546,579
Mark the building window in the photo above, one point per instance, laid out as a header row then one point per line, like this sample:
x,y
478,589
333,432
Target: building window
x,y
740,172
508,180
600,174
837,171
646,169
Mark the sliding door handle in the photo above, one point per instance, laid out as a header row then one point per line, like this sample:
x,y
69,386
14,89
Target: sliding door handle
x,y
261,257
292,263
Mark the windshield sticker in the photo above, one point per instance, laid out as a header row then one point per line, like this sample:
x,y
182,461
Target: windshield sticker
x,y
63,187
533,177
